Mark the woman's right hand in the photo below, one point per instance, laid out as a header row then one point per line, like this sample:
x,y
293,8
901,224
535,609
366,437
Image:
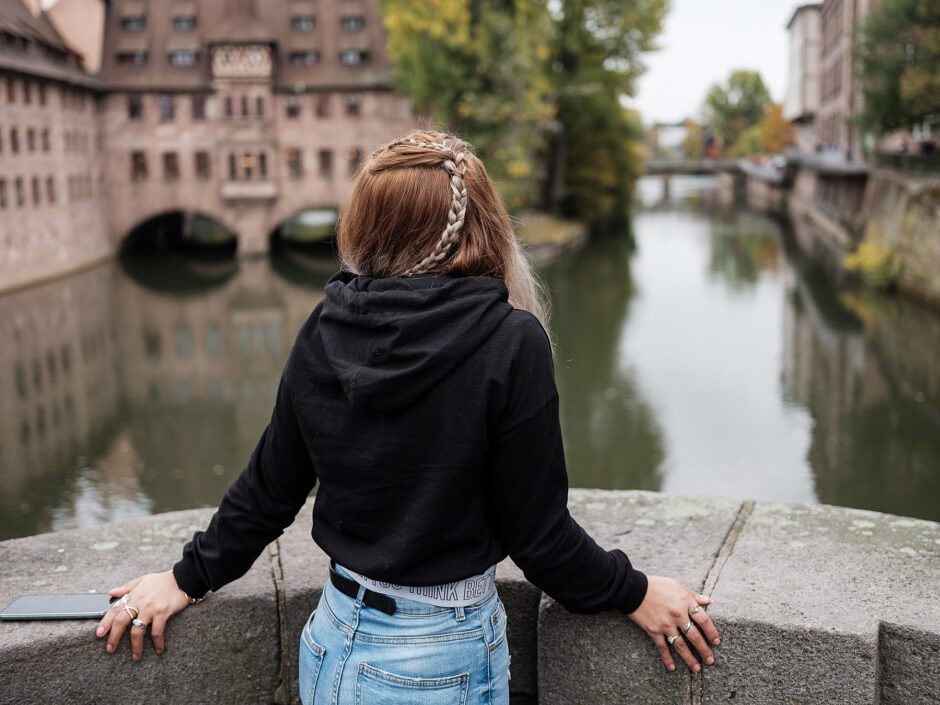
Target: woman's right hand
x,y
155,598
667,608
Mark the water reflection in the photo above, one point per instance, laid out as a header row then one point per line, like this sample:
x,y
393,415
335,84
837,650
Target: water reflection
x,y
132,400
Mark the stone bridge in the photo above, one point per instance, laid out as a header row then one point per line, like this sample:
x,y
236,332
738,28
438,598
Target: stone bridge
x,y
815,604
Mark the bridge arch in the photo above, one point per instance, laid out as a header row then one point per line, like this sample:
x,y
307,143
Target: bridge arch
x,y
176,229
304,228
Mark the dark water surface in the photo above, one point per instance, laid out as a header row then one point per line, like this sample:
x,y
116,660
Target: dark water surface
x,y
709,360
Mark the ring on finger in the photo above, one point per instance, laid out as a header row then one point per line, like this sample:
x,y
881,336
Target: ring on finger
x,y
128,608
687,628
672,639
139,623
118,603
695,609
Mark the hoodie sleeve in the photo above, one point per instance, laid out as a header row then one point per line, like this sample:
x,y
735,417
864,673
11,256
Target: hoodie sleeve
x,y
260,504
528,496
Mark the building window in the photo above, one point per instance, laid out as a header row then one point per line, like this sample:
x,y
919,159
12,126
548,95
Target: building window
x,y
14,140
248,166
228,107
167,109
302,23
263,166
42,93
36,191
353,23
132,58
323,105
138,166
184,24
184,57
171,166
11,90
304,58
133,24
354,157
259,106
293,106
18,187
353,57
326,162
295,165
135,107
30,140
46,146
202,166
27,92
232,167
244,102
353,104
50,189
198,105
3,193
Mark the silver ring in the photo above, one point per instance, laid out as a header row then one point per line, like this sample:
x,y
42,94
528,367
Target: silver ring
x,y
672,639
128,608
695,610
119,603
687,628
139,623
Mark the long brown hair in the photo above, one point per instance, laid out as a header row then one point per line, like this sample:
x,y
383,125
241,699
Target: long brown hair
x,y
424,203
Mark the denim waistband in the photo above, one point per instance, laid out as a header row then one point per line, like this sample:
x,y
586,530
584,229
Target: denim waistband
x,y
459,593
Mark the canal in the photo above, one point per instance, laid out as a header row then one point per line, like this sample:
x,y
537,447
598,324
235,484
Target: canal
x,y
700,355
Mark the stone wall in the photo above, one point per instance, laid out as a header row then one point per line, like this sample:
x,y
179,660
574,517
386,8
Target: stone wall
x,y
814,604
905,215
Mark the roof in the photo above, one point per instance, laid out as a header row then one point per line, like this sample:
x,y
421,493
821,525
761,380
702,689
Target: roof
x,y
17,20
802,8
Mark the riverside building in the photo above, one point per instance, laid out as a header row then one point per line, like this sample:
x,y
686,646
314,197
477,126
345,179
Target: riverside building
x,y
238,113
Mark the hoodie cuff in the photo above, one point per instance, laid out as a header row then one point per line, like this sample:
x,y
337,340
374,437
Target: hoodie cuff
x,y
188,581
633,589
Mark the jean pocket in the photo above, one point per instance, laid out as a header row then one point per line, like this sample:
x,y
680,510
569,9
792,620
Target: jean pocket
x,y
310,661
498,624
376,686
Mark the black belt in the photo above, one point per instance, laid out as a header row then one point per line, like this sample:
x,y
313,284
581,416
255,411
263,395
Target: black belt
x,y
348,587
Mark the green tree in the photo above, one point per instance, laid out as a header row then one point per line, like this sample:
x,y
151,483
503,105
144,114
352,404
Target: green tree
x,y
478,68
898,61
536,90
769,136
733,107
596,60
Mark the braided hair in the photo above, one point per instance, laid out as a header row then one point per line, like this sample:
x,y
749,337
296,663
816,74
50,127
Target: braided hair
x,y
424,204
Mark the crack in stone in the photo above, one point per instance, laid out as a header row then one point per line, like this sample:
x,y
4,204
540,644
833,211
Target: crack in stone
x,y
282,694
724,553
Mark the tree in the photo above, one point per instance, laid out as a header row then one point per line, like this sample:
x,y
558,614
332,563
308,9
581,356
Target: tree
x,y
478,68
898,62
596,60
769,136
732,108
694,143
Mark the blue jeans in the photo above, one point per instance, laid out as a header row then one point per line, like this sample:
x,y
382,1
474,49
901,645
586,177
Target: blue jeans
x,y
422,655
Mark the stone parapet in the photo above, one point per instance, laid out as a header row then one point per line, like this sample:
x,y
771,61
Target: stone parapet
x,y
814,603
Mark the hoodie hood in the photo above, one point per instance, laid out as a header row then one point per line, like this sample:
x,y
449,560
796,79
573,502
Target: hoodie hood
x,y
390,340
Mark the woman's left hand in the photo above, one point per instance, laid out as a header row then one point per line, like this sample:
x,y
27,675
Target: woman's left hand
x,y
150,600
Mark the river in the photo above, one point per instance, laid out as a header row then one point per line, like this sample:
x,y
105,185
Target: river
x,y
699,356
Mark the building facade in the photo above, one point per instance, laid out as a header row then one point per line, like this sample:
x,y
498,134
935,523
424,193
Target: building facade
x,y
243,112
52,186
803,90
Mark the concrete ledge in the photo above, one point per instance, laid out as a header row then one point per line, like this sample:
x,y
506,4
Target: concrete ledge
x,y
815,604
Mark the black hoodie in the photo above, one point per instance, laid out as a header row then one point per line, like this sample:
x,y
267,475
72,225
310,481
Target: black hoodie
x,y
426,407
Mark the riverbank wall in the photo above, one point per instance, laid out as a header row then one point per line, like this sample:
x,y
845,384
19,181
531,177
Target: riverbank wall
x,y
814,604
836,208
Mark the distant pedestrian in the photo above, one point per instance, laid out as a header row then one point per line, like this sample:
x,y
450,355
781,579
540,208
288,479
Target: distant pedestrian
x,y
421,395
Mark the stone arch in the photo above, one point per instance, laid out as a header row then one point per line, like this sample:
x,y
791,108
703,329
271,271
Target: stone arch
x,y
315,230
127,232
